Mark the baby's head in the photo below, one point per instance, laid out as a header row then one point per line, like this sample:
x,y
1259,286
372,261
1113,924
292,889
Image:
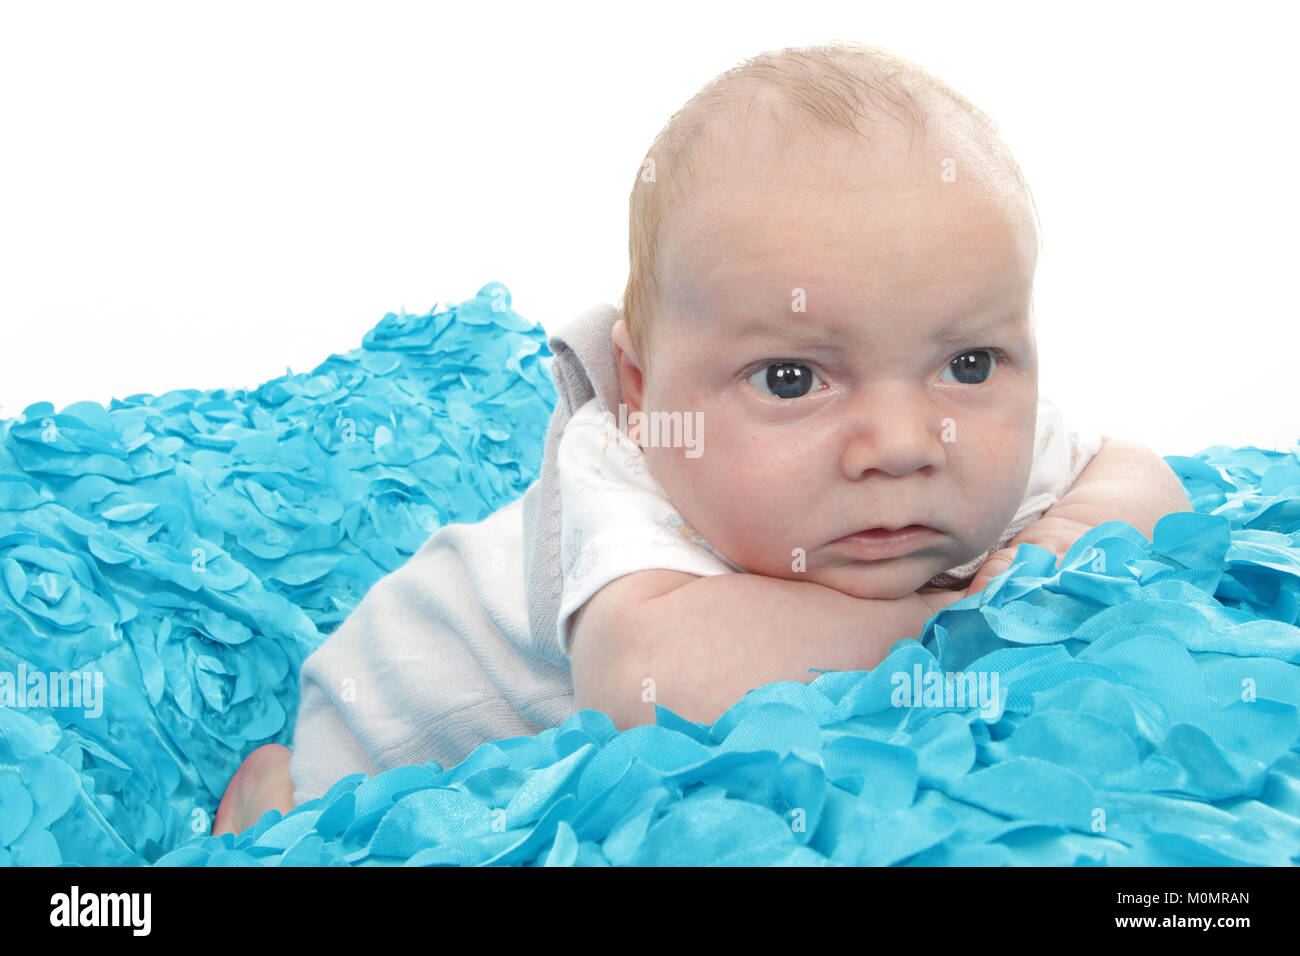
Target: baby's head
x,y
832,261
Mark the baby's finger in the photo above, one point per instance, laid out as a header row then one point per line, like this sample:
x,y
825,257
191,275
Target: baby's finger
x,y
995,564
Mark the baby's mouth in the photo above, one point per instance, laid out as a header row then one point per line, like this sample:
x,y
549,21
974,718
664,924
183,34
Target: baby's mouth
x,y
875,544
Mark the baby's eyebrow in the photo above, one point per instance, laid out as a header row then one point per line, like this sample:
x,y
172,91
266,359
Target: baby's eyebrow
x,y
798,330
964,329
803,331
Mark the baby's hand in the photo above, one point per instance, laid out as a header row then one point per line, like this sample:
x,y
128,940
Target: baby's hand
x,y
1055,533
1124,481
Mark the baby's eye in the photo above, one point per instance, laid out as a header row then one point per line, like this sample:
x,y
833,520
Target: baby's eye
x,y
785,379
974,366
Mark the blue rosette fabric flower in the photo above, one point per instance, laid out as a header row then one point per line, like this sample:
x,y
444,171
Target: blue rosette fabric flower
x,y
64,671
192,548
1135,703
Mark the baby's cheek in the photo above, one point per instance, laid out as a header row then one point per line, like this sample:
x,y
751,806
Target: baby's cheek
x,y
999,478
767,507
985,466
728,496
697,487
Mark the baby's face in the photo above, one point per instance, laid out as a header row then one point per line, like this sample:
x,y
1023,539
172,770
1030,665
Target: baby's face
x,y
858,356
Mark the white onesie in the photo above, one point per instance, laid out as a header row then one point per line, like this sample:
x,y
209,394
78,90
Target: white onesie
x,y
616,517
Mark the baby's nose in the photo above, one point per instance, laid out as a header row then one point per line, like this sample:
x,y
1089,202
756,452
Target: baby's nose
x,y
896,434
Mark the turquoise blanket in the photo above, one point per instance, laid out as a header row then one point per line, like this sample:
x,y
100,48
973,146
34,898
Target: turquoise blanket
x,y
173,559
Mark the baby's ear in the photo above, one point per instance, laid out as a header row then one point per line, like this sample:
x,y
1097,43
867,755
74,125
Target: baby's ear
x,y
631,379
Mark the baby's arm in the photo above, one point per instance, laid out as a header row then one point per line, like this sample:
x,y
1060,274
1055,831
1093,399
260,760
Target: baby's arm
x,y
706,641
1124,481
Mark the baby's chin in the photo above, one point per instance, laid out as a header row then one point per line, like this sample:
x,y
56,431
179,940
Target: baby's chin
x,y
878,580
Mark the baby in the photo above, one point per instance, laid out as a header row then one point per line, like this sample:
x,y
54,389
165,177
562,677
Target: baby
x,y
831,277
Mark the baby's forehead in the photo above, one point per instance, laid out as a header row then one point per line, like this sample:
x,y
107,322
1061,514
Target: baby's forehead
x,y
761,146
830,278
806,209
783,153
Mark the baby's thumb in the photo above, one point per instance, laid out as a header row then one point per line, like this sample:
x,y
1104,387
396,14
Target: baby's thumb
x,y
995,564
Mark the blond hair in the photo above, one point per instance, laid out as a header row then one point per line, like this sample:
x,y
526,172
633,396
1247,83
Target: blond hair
x,y
836,86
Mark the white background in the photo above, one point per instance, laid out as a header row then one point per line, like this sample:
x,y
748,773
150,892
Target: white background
x,y
201,195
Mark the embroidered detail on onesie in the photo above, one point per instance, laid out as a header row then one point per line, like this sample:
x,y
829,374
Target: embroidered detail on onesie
x,y
683,527
583,558
636,464
1048,432
684,531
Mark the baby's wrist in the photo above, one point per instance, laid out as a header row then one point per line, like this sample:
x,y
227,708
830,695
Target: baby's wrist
x,y
936,599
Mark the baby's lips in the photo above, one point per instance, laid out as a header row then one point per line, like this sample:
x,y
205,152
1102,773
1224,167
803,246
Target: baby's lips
x,y
880,544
